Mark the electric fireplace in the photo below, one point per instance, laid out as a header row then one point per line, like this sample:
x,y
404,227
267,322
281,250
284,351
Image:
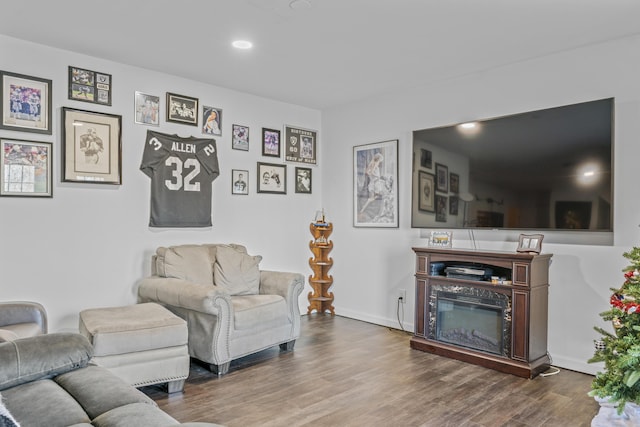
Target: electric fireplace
x,y
471,317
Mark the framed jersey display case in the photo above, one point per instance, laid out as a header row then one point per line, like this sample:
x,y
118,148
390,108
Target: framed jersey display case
x,y
92,147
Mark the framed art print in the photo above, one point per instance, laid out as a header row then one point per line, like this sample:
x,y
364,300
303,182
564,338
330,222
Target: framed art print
x,y
239,181
303,180
90,86
270,142
211,121
25,168
530,243
182,109
375,184
272,178
454,182
442,178
240,138
427,191
147,109
92,147
300,145
441,239
26,103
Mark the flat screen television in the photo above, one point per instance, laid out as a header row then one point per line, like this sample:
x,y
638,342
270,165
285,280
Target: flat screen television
x,y
549,169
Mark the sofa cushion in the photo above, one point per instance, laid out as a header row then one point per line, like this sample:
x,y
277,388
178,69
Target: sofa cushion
x,y
99,391
193,263
134,414
43,402
7,335
43,356
236,271
6,419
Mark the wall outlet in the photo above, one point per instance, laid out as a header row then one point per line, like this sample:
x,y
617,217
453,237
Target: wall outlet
x,y
402,295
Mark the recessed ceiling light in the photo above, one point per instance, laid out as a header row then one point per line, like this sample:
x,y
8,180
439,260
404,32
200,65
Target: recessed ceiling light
x,y
242,44
469,125
300,4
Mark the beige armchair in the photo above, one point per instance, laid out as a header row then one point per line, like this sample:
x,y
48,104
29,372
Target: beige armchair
x,y
232,308
21,319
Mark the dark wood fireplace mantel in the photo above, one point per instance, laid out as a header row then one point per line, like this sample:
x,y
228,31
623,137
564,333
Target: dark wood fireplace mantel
x,y
526,282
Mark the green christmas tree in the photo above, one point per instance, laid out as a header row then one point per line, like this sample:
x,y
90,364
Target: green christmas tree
x,y
620,351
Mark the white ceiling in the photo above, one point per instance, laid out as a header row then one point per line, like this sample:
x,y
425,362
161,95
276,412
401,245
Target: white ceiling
x,y
332,53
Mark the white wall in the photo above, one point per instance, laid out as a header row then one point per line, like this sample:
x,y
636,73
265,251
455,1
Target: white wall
x,y
89,244
371,264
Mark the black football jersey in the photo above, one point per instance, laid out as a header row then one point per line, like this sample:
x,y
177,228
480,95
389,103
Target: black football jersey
x,y
181,171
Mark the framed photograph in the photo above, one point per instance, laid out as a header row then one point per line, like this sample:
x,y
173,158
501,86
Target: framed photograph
x,y
441,208
426,187
303,180
375,184
573,215
182,109
239,181
441,239
90,86
25,168
453,205
425,158
272,178
211,120
270,142
300,145
531,243
26,103
92,147
147,109
454,183
240,138
442,178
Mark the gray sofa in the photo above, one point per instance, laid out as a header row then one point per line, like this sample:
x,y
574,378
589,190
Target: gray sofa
x,y
47,380
232,308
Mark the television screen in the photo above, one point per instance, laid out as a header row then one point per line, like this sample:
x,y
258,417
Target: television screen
x,y
541,170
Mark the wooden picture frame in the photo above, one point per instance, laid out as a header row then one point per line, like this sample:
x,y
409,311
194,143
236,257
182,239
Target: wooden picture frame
x,y
240,137
211,120
92,151
303,180
530,243
25,168
427,191
239,182
300,145
147,109
272,178
270,142
442,178
90,86
375,185
182,109
26,104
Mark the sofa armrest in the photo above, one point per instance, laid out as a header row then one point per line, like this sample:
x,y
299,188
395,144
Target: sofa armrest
x,y
281,283
16,312
183,294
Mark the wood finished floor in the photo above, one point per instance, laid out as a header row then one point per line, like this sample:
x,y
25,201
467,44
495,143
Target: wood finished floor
x,y
344,372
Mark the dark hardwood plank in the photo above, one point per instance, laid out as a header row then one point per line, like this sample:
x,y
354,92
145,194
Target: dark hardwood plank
x,y
344,372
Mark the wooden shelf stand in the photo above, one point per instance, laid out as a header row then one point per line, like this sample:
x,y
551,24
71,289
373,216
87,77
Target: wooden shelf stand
x,y
320,299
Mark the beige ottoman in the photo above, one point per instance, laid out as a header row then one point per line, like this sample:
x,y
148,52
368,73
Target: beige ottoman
x,y
143,344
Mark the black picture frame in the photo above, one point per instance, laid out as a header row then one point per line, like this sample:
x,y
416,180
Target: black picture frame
x,y
454,183
427,190
303,180
300,145
182,109
25,112
441,208
454,202
90,86
25,168
239,182
425,159
442,178
270,142
240,137
272,178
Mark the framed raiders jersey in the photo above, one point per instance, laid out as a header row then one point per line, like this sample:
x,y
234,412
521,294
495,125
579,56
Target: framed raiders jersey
x,y
182,171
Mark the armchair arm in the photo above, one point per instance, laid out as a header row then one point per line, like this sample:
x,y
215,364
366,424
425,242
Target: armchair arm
x,y
15,312
281,283
183,294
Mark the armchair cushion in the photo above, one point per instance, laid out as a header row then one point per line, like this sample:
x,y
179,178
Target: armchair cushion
x,y
193,263
236,271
